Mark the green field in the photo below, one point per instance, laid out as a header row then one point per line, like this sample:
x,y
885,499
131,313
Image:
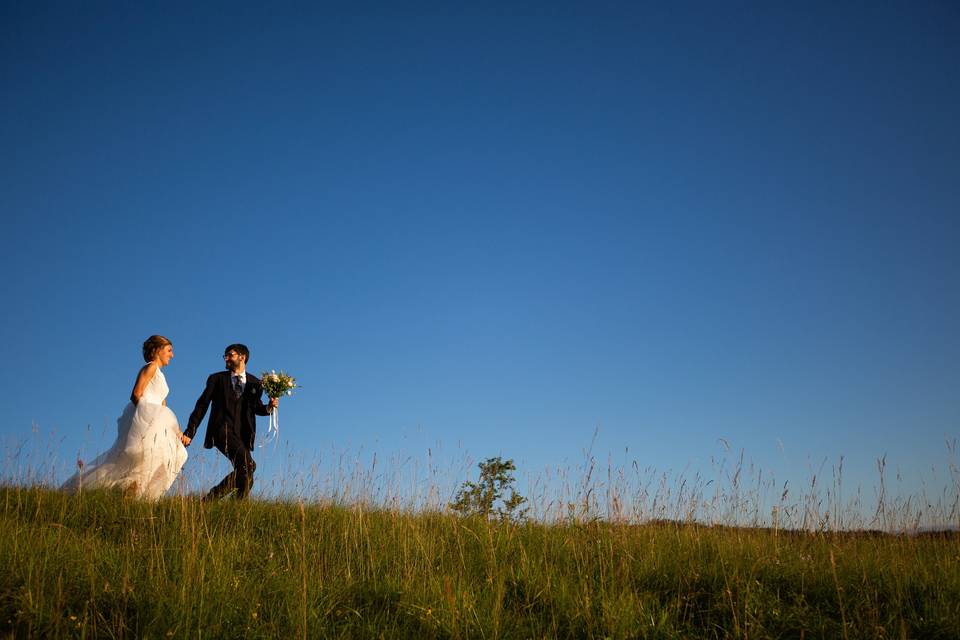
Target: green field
x,y
99,565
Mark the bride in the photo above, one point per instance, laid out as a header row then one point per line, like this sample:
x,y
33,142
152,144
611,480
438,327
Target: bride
x,y
148,453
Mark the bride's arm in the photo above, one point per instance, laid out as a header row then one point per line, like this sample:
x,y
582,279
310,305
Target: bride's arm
x,y
143,379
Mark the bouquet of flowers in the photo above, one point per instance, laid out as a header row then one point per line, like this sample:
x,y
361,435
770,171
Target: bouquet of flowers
x,y
276,385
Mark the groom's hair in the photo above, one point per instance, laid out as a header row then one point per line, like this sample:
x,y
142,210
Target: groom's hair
x,y
241,349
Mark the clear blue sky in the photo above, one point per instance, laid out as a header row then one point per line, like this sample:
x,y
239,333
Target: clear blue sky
x,y
494,229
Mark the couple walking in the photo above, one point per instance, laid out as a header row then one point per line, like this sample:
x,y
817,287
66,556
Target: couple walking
x,y
150,449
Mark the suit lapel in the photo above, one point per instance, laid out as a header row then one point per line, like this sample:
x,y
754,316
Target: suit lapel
x,y
228,393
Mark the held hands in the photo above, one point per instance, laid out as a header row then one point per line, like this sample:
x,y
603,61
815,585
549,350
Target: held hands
x,y
274,403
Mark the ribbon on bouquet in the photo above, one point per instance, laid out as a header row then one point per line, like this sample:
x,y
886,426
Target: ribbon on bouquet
x,y
273,427
276,385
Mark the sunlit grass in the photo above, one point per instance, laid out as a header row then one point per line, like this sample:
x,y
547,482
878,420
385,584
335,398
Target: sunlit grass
x,y
364,548
104,566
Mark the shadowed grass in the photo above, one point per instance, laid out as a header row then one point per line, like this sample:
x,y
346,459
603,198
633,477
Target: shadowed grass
x,y
99,565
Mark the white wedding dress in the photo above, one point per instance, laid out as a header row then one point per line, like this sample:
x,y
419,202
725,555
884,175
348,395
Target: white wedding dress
x,y
147,454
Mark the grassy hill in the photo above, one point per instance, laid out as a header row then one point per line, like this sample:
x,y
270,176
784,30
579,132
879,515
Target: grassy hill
x,y
99,565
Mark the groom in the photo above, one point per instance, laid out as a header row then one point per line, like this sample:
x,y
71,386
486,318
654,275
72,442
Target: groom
x,y
232,427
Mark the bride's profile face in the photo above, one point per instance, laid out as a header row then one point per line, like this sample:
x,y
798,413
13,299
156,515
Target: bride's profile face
x,y
165,354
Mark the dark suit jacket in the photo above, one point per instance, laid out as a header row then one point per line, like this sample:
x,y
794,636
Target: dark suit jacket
x,y
229,413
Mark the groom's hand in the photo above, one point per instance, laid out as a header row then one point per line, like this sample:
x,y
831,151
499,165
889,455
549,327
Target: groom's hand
x,y
274,403
185,440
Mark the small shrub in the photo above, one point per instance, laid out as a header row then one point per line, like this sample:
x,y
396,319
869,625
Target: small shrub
x,y
487,497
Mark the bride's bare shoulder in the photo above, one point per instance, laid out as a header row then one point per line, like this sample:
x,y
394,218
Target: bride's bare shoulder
x,y
148,370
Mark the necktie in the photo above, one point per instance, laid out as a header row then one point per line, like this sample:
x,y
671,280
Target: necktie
x,y
237,386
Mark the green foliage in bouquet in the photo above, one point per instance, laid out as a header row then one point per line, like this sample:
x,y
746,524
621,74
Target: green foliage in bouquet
x,y
278,384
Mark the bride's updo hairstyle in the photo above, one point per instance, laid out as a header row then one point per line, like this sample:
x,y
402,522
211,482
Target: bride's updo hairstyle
x,y
153,344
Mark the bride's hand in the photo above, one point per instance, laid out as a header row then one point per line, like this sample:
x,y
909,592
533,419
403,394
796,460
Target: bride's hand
x,y
274,403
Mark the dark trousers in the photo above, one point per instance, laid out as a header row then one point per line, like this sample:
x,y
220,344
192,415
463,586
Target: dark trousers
x,y
241,478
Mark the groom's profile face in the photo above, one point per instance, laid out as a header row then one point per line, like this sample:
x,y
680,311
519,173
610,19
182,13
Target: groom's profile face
x,y
232,360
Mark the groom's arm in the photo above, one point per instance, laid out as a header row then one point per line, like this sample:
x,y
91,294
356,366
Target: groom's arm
x,y
258,407
203,403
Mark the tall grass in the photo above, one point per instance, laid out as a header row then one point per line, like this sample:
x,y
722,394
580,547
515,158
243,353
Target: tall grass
x,y
361,548
730,491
